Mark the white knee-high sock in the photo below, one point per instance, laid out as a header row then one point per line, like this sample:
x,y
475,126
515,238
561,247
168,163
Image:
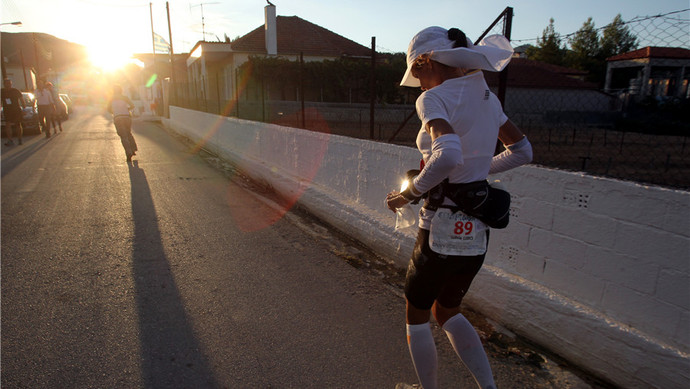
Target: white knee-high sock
x,y
469,348
423,351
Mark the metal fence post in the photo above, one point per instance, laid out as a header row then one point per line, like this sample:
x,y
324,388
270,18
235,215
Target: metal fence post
x,y
263,98
301,88
503,76
220,112
237,92
372,102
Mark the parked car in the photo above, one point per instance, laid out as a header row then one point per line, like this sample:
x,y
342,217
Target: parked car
x,y
30,115
62,108
65,97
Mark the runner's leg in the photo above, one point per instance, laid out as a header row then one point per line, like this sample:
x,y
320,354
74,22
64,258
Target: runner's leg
x,y
469,348
420,342
122,131
21,131
8,132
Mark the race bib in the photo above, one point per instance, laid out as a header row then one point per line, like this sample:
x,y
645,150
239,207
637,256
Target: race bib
x,y
457,234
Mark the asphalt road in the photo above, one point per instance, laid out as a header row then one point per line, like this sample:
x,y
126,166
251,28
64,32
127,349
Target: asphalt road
x,y
174,272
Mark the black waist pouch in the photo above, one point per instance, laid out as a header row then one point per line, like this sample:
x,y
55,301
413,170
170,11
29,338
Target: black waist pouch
x,y
479,199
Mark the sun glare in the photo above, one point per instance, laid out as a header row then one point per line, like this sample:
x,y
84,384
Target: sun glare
x,y
109,59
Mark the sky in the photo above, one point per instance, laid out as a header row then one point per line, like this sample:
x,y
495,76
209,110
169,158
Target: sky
x,y
117,28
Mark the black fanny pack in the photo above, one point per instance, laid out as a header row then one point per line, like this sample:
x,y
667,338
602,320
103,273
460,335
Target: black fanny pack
x,y
479,199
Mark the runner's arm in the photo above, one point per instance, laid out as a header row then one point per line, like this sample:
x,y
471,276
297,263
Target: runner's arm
x,y
446,154
518,149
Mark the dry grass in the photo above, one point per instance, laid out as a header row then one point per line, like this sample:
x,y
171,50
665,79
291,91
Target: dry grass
x,y
654,159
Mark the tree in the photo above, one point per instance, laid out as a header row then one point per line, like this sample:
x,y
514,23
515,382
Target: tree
x,y
584,53
616,39
585,42
549,48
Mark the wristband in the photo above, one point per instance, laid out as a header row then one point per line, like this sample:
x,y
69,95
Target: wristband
x,y
407,195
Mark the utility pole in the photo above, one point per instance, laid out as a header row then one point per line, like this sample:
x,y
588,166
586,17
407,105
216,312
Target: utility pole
x,y
153,36
38,59
21,58
172,57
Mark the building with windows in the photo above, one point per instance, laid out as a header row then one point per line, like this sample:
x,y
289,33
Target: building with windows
x,y
658,72
212,67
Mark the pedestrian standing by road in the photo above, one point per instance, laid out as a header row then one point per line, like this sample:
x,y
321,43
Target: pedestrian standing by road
x,y
120,107
55,118
461,122
46,108
12,105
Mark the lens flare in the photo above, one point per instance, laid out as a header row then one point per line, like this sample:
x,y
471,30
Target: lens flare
x,y
151,80
227,109
305,162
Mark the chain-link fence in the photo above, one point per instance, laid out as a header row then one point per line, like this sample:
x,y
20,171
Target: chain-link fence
x,y
336,118
633,125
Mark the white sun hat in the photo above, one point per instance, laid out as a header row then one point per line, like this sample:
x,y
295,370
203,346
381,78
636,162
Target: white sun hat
x,y
493,52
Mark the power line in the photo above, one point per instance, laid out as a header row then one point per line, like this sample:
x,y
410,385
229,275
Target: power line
x,y
636,19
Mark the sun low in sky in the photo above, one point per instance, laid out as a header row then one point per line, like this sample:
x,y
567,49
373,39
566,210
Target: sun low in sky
x,y
111,30
131,22
108,59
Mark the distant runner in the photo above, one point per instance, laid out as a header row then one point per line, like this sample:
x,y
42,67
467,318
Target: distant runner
x,y
120,106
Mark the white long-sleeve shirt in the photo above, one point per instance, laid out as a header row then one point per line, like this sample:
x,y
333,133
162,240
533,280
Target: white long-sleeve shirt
x,y
475,114
120,106
44,97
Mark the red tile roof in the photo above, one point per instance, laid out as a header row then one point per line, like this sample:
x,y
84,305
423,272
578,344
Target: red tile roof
x,y
653,52
297,35
527,73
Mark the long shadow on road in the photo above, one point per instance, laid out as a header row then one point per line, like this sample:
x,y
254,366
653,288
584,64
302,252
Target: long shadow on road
x,y
27,150
171,355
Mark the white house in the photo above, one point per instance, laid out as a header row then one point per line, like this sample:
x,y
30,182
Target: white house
x,y
212,66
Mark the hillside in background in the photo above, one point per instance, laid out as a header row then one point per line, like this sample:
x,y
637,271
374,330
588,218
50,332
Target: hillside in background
x,y
41,51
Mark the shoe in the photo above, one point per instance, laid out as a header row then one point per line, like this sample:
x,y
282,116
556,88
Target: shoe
x,y
402,385
9,143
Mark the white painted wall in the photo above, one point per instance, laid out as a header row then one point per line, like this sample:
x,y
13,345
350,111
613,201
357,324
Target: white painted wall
x,y
596,270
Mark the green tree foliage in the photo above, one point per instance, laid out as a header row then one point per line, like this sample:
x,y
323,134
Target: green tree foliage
x,y
585,42
584,53
616,39
588,49
549,48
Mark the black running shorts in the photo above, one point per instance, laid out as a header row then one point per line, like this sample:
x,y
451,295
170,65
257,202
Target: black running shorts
x,y
434,277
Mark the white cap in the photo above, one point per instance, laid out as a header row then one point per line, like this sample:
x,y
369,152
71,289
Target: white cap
x,y
493,53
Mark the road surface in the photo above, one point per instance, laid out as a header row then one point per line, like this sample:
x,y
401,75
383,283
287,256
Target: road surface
x,y
175,272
